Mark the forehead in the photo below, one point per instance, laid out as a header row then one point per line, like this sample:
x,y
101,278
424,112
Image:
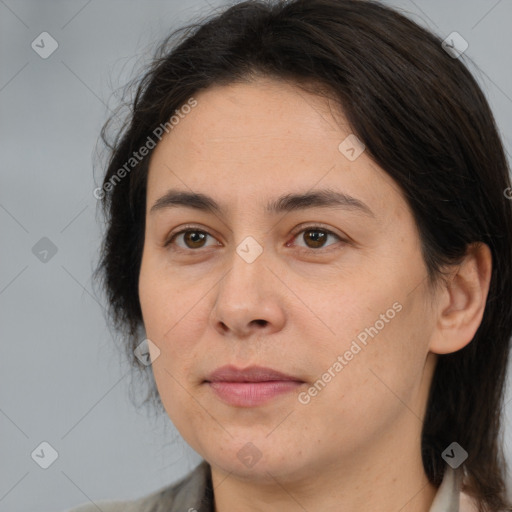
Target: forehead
x,y
260,139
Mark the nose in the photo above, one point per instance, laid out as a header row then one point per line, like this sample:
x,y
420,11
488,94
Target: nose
x,y
248,299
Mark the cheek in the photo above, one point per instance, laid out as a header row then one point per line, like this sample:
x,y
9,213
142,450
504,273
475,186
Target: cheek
x,y
388,369
377,326
170,311
161,298
379,380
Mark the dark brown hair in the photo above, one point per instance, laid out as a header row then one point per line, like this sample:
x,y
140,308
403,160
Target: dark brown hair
x,y
423,119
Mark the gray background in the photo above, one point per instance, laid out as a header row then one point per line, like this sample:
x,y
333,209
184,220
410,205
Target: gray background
x,y
62,379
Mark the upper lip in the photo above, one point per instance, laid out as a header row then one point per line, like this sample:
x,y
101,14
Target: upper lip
x,y
231,373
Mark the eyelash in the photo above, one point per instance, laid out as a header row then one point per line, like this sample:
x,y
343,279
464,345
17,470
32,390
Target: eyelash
x,y
313,227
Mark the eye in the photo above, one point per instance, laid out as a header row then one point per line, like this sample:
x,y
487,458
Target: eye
x,y
193,238
315,237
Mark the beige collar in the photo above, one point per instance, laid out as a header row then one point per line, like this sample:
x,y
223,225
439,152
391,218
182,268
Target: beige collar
x,y
449,497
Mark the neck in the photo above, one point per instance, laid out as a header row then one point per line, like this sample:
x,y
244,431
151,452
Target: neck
x,y
389,478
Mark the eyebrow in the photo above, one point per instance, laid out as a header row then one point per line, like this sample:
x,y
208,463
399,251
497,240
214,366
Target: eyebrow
x,y
289,202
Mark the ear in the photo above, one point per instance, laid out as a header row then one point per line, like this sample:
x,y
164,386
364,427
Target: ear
x,y
461,301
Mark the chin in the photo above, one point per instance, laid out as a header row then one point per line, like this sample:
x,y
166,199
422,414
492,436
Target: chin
x,y
248,465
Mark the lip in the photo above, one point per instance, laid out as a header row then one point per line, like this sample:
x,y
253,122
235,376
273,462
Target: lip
x,y
230,373
250,387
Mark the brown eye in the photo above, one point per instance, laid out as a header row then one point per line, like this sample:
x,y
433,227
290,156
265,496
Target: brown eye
x,y
192,239
315,237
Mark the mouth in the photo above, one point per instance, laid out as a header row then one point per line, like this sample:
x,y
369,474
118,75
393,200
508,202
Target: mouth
x,y
251,386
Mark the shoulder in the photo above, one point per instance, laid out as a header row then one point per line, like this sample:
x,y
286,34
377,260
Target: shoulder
x,y
187,493
144,504
104,506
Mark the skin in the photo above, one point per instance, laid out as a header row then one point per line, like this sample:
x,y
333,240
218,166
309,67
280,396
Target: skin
x,y
356,445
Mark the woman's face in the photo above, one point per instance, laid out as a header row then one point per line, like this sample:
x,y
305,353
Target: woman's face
x,y
333,294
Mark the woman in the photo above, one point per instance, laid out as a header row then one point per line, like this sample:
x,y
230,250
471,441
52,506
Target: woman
x,y
308,225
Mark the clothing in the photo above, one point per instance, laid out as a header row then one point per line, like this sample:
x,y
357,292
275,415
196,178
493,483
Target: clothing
x,y
194,493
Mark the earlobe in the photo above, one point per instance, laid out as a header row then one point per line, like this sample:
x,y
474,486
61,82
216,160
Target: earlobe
x,y
462,301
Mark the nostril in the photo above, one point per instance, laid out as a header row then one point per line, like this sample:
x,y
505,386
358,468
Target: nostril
x,y
260,322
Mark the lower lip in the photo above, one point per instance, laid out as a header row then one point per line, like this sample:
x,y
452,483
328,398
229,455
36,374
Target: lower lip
x,y
250,394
